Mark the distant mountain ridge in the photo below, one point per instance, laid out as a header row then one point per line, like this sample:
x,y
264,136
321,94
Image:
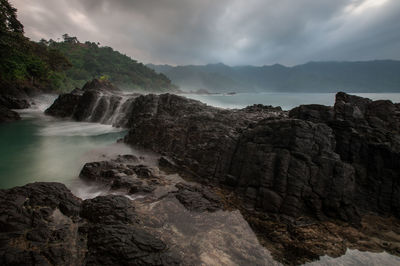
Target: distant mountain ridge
x,y
365,76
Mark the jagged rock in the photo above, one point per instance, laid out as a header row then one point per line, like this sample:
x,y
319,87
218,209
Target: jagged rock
x,y
197,198
276,164
7,115
123,173
64,105
367,137
44,224
38,226
108,210
289,167
97,101
13,103
313,112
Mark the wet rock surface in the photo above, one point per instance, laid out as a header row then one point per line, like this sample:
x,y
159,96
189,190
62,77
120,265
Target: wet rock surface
x,y
13,103
198,198
8,115
44,224
7,103
125,173
97,101
367,137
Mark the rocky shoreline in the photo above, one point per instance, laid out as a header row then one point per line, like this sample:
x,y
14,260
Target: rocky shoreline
x,y
313,181
7,104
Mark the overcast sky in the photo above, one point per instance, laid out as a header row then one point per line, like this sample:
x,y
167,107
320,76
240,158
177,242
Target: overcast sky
x,y
235,32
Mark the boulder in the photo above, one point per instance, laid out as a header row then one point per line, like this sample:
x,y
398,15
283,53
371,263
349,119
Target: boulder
x,y
7,115
44,224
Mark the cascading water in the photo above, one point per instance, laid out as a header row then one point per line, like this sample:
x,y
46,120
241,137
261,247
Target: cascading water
x,y
110,110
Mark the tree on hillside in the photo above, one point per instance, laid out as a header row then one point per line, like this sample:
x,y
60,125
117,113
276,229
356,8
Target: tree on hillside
x,y
25,62
70,39
8,19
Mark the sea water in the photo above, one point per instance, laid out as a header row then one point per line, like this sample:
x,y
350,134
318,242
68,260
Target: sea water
x,y
285,100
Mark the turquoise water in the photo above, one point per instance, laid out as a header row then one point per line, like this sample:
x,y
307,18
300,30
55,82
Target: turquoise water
x,y
286,100
41,148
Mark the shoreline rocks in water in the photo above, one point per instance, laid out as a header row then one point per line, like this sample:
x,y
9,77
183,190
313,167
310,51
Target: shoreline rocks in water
x,y
296,171
7,103
44,224
8,115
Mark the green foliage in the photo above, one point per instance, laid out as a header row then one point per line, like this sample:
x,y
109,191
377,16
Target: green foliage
x,y
8,18
89,61
23,61
104,78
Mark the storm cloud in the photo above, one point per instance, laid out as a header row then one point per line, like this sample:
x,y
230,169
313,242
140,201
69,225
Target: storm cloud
x,y
234,32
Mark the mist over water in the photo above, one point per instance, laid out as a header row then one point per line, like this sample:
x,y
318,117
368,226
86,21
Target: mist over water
x,y
43,148
285,100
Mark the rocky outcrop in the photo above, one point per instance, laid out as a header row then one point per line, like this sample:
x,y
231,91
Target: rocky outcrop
x,y
278,165
7,115
44,224
13,103
197,198
97,101
367,137
7,103
124,173
319,161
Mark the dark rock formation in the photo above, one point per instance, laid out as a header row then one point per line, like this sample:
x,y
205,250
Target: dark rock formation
x,y
115,238
367,137
342,160
281,165
7,115
44,224
38,226
7,103
13,103
320,161
97,101
278,165
125,173
197,198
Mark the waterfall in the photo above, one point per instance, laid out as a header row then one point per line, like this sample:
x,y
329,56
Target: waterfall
x,y
106,110
111,109
95,105
119,111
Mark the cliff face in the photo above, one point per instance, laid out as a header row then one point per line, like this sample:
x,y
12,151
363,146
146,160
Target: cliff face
x,y
367,137
320,160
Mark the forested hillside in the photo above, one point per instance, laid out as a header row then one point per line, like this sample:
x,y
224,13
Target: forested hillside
x,y
28,67
25,66
89,60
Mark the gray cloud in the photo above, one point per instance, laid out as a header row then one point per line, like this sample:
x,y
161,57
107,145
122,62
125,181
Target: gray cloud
x,y
235,32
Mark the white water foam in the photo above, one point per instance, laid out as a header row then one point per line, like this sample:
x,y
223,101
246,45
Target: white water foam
x,y
117,113
39,105
67,128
